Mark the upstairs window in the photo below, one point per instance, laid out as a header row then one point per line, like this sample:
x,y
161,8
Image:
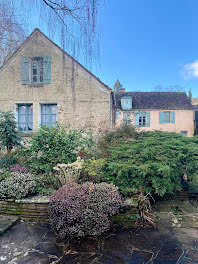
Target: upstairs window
x,y
49,115
126,102
25,117
36,70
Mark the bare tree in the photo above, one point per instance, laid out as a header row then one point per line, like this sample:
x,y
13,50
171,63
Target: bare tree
x,y
12,33
72,22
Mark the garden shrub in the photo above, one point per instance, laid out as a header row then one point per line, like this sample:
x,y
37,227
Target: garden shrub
x,y
52,145
46,183
92,170
155,161
117,136
9,134
17,186
18,168
6,162
81,210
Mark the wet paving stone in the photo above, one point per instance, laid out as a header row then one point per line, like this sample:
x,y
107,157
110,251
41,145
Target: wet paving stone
x,y
35,258
28,243
49,248
77,259
140,257
89,245
169,253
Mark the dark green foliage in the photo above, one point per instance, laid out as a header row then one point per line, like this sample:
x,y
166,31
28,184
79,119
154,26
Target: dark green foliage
x,y
9,135
6,162
116,136
155,161
50,146
190,95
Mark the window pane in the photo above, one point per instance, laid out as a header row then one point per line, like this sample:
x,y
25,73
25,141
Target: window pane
x,y
166,117
45,115
54,109
37,70
25,113
142,118
30,118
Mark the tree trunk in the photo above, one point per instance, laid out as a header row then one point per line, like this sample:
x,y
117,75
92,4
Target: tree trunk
x,y
9,152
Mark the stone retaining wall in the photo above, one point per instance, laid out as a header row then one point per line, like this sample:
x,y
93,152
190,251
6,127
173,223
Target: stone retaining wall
x,y
36,209
27,209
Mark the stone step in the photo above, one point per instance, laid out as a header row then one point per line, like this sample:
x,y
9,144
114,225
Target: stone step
x,y
7,222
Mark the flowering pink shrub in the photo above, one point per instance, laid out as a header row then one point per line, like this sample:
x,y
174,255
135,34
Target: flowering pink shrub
x,y
19,168
80,210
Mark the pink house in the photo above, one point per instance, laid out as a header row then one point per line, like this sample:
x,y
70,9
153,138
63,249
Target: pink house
x,y
165,111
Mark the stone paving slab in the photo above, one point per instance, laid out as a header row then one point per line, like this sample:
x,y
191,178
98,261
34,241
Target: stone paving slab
x,y
28,243
7,222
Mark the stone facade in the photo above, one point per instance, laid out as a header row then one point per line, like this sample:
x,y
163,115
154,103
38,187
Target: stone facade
x,y
82,99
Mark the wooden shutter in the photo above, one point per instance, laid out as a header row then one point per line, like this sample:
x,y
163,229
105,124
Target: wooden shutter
x,y
25,79
46,69
148,119
173,117
161,118
136,119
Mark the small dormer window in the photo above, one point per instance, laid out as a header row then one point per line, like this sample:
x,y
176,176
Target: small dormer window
x,y
126,102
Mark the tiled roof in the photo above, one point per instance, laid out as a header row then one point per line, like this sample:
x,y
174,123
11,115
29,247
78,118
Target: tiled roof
x,y
155,100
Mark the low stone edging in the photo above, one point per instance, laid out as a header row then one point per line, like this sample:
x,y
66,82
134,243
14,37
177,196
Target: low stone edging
x,y
34,210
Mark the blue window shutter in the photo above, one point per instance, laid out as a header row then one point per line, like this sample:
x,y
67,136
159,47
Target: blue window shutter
x,y
148,119
136,119
161,118
173,117
25,70
46,69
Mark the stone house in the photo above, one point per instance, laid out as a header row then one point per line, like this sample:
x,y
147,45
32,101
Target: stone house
x,y
165,111
43,84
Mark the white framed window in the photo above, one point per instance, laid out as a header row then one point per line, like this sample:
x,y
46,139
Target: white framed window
x,y
25,117
48,114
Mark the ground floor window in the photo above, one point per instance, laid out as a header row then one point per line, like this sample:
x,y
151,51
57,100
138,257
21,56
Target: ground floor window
x,y
142,119
25,117
127,117
184,133
49,114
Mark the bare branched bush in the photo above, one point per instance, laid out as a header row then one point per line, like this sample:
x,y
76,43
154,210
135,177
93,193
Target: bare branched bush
x,y
12,32
72,22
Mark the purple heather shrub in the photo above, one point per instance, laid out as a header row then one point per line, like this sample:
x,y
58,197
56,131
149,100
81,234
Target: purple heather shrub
x,y
81,210
19,168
